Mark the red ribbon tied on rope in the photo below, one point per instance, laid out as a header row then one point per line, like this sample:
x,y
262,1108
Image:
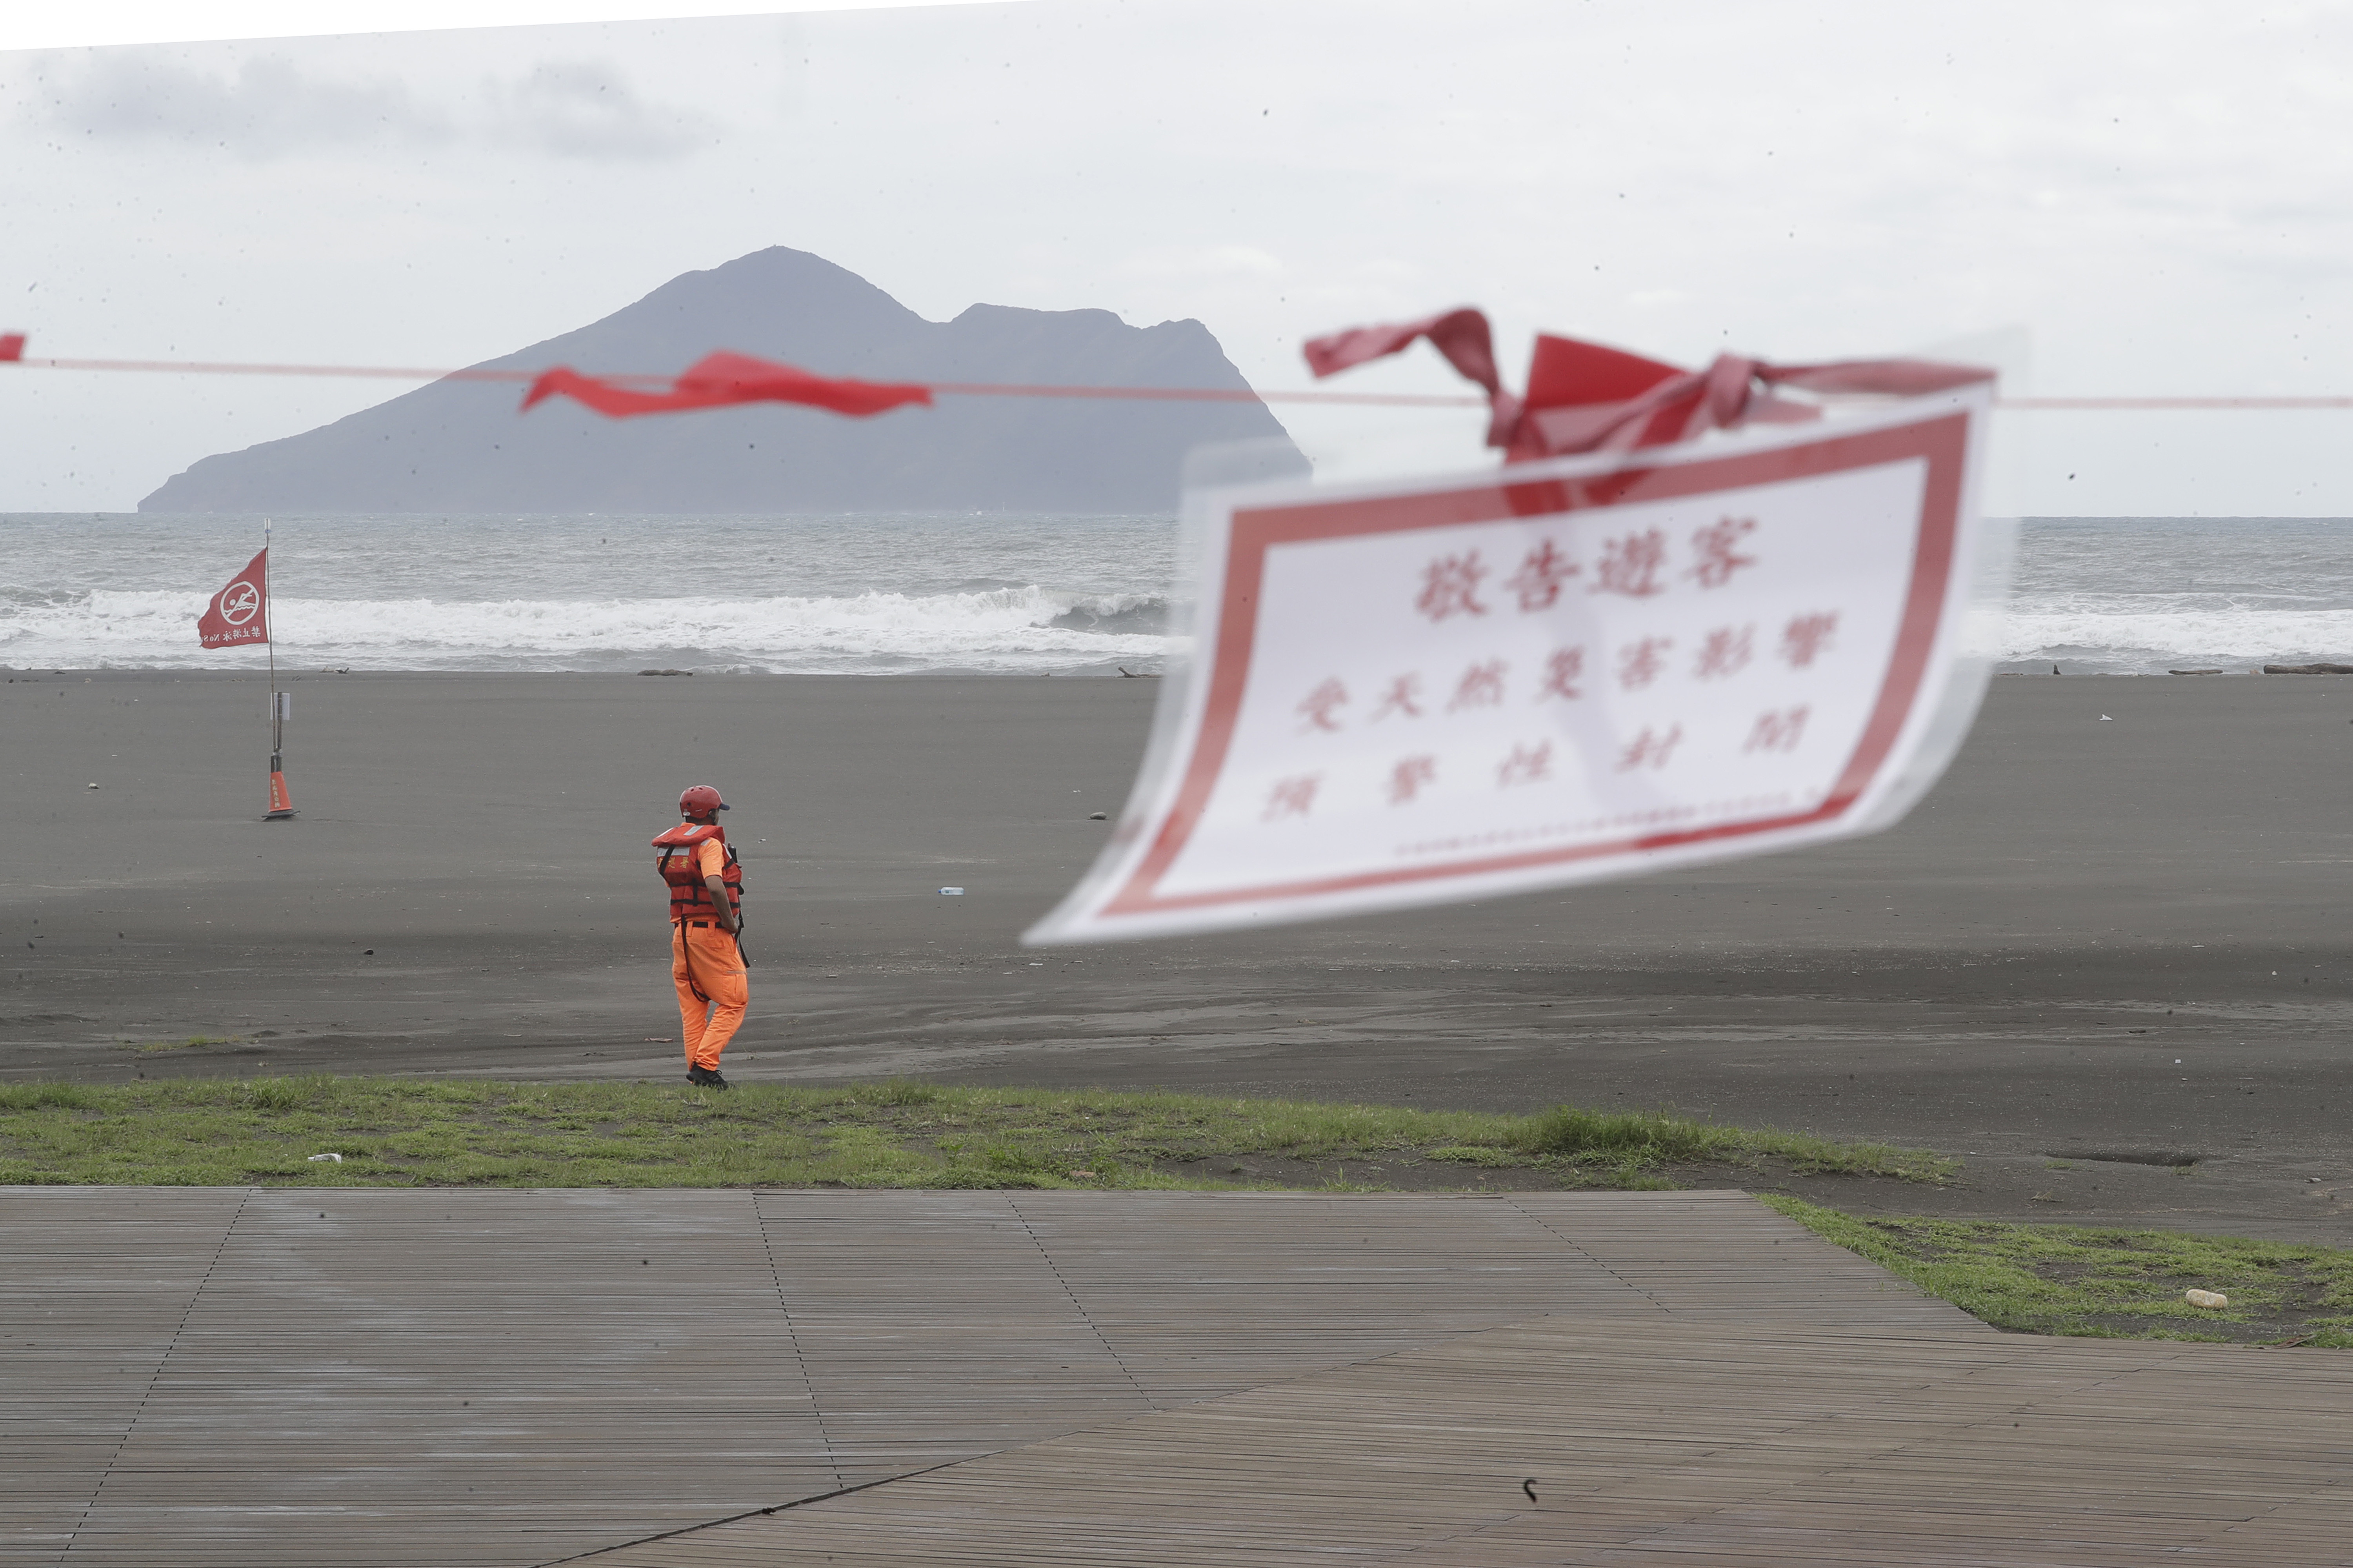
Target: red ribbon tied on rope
x,y
717,380
1463,336
1585,397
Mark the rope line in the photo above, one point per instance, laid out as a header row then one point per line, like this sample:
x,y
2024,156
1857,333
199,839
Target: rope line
x,y
958,388
2171,402
1135,393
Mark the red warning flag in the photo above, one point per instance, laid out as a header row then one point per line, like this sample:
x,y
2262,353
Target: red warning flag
x,y
239,613
719,379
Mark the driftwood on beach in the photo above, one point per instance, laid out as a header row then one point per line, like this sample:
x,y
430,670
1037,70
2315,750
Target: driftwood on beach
x,y
2308,669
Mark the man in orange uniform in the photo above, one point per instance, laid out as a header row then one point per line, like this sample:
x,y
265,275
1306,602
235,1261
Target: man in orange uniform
x,y
706,958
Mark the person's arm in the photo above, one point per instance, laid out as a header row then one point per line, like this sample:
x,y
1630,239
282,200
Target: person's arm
x,y
720,904
712,861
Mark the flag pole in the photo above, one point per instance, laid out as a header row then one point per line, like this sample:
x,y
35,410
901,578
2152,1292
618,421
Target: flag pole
x,y
281,803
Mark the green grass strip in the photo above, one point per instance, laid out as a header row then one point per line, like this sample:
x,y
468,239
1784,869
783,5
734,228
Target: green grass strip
x,y
2115,1283
410,1133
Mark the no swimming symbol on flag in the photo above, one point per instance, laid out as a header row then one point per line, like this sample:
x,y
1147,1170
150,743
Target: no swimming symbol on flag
x,y
239,613
1571,669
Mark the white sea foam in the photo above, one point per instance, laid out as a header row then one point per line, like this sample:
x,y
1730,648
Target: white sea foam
x,y
982,592
2127,595
997,630
987,594
2128,638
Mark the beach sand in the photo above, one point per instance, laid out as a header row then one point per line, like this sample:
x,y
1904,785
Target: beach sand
x,y
2012,972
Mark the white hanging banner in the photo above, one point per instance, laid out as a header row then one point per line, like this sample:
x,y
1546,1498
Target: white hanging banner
x,y
1568,671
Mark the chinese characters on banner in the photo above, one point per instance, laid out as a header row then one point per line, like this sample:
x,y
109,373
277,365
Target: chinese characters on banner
x,y
1567,671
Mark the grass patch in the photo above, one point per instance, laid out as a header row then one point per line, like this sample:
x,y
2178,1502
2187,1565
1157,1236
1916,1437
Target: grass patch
x,y
395,1131
2079,1280
1648,1139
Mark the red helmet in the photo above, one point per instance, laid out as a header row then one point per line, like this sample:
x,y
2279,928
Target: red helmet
x,y
701,800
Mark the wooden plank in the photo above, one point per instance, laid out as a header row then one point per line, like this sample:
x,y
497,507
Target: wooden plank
x,y
96,1286
501,1377
1653,1442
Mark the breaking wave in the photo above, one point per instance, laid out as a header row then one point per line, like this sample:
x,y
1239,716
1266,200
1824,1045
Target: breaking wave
x,y
2140,595
2137,640
979,592
1025,630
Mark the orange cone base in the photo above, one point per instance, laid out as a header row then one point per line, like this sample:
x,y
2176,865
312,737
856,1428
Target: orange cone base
x,y
281,803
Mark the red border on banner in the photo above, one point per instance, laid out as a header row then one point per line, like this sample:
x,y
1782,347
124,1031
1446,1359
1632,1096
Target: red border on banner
x,y
1941,441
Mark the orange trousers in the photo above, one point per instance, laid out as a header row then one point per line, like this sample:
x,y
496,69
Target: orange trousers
x,y
712,989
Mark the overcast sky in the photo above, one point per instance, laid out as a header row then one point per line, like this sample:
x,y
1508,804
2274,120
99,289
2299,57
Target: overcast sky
x,y
2158,194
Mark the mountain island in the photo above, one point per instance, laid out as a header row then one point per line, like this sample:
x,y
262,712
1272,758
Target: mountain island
x,y
463,447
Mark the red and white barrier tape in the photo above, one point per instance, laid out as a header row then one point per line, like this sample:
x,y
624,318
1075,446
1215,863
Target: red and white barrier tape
x,y
12,351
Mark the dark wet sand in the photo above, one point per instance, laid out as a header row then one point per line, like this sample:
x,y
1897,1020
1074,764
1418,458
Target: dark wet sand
x,y
2012,973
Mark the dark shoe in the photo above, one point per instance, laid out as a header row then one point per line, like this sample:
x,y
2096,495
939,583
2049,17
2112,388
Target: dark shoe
x,y
705,1078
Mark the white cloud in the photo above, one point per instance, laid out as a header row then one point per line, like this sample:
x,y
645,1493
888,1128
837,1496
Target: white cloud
x,y
584,109
263,105
1800,182
98,23
259,107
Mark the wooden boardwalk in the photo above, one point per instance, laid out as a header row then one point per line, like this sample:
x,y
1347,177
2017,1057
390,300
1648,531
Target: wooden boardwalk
x,y
395,1377
1643,1443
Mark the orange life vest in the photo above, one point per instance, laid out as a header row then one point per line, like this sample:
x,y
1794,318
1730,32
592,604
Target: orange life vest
x,y
680,866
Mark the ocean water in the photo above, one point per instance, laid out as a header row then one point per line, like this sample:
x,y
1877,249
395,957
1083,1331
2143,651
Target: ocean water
x,y
987,594
984,594
2140,595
